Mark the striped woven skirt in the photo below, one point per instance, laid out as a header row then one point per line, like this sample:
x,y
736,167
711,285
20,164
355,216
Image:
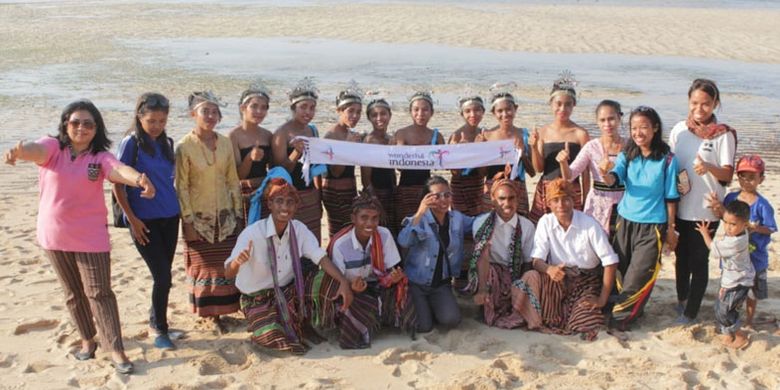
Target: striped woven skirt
x,y
467,193
522,197
540,202
556,307
386,197
337,196
310,211
211,293
266,323
407,201
498,308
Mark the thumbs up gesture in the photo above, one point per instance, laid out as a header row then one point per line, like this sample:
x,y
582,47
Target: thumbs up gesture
x,y
257,153
699,166
533,139
563,155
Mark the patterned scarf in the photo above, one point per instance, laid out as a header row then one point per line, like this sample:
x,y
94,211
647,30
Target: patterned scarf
x,y
378,264
710,130
281,302
481,240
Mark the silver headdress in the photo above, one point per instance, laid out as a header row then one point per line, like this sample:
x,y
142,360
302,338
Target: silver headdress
x,y
197,99
502,92
375,99
470,97
350,95
256,89
306,89
421,94
565,85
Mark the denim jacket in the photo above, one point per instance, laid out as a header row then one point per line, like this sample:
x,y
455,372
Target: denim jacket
x,y
423,245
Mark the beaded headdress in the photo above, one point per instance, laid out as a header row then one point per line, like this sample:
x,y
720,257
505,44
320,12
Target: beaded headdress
x,y
375,99
470,97
197,99
421,95
256,89
350,95
564,85
502,92
306,89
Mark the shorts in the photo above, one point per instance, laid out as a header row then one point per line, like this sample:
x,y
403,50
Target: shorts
x,y
759,291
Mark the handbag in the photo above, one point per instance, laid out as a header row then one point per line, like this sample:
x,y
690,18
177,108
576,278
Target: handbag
x,y
120,220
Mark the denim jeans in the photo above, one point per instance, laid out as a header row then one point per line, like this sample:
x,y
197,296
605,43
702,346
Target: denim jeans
x,y
434,303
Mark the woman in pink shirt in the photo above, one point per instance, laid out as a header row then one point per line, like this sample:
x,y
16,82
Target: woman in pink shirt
x,y
72,220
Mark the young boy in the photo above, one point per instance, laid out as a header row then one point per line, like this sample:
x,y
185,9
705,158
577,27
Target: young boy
x,y
750,172
737,270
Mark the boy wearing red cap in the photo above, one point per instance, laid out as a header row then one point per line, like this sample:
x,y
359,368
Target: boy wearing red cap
x,y
750,172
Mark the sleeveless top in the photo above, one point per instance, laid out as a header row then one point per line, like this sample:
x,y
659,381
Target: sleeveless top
x,y
492,170
552,169
412,177
259,168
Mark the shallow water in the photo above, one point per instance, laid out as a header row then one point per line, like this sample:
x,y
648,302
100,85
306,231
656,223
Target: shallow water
x,y
751,92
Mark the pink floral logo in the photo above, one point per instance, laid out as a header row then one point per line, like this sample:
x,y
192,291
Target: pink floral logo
x,y
329,153
439,155
503,152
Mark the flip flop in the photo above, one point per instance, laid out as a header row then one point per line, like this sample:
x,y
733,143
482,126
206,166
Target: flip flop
x,y
81,355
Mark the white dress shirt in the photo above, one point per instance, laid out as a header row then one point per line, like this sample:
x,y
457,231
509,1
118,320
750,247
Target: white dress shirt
x,y
502,237
584,244
255,274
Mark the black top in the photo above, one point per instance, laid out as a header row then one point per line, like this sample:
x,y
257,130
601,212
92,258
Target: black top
x,y
297,174
552,169
383,178
349,172
444,235
259,168
411,177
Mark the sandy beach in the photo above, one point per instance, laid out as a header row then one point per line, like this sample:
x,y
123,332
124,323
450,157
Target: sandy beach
x,y
110,52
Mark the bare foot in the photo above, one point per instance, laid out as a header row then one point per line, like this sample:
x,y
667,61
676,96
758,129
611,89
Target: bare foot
x,y
741,340
727,340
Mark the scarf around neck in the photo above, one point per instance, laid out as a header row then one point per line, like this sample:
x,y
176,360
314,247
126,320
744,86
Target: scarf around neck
x,y
482,238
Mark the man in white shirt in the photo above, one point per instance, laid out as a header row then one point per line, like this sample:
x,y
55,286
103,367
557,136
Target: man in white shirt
x,y
276,297
573,269
366,253
503,243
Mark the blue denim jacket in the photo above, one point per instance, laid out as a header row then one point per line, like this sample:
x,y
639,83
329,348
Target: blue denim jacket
x,y
423,245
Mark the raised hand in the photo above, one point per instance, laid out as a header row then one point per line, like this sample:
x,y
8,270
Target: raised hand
x,y
13,154
563,155
245,254
257,152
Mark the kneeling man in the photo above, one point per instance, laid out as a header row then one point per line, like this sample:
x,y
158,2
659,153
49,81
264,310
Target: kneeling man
x,y
573,270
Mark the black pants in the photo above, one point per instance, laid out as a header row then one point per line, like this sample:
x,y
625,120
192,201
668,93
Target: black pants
x,y
691,267
158,254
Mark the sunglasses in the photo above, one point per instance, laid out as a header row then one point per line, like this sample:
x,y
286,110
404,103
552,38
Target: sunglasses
x,y
86,124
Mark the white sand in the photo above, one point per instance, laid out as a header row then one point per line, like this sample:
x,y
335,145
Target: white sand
x,y
36,335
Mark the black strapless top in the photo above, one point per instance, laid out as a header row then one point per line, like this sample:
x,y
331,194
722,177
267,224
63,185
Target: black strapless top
x,y
349,172
383,178
259,168
552,169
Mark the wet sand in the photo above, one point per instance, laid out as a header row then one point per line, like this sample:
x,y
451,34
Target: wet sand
x,y
112,52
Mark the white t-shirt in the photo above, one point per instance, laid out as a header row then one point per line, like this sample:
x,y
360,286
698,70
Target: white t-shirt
x,y
733,252
255,274
718,151
502,237
584,244
354,261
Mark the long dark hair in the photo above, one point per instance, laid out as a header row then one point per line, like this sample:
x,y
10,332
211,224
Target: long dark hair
x,y
148,102
658,148
100,143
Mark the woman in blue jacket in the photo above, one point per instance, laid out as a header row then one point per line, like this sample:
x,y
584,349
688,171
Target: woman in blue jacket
x,y
434,239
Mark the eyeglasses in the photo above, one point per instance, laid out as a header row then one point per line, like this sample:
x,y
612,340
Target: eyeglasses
x,y
156,101
86,124
443,195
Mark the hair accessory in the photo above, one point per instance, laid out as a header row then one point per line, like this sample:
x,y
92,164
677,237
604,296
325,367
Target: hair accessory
x,y
470,97
565,80
375,98
350,95
306,89
256,89
502,91
421,94
198,99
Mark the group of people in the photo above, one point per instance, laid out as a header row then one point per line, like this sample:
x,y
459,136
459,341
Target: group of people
x,y
575,259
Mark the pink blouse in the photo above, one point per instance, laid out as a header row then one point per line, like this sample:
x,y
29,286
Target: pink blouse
x,y
72,214
599,203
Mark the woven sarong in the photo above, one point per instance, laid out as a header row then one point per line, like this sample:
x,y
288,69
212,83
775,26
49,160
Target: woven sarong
x,y
467,193
498,308
337,196
211,293
386,197
265,321
556,307
310,210
407,201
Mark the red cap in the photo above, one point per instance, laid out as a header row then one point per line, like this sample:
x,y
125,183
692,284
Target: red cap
x,y
750,163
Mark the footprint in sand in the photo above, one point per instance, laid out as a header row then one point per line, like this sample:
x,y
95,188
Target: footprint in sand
x,y
223,361
36,367
7,360
35,326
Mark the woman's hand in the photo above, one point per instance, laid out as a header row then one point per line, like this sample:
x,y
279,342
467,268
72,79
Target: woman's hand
x,y
190,234
257,152
146,185
13,154
138,230
563,155
354,136
533,138
699,166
